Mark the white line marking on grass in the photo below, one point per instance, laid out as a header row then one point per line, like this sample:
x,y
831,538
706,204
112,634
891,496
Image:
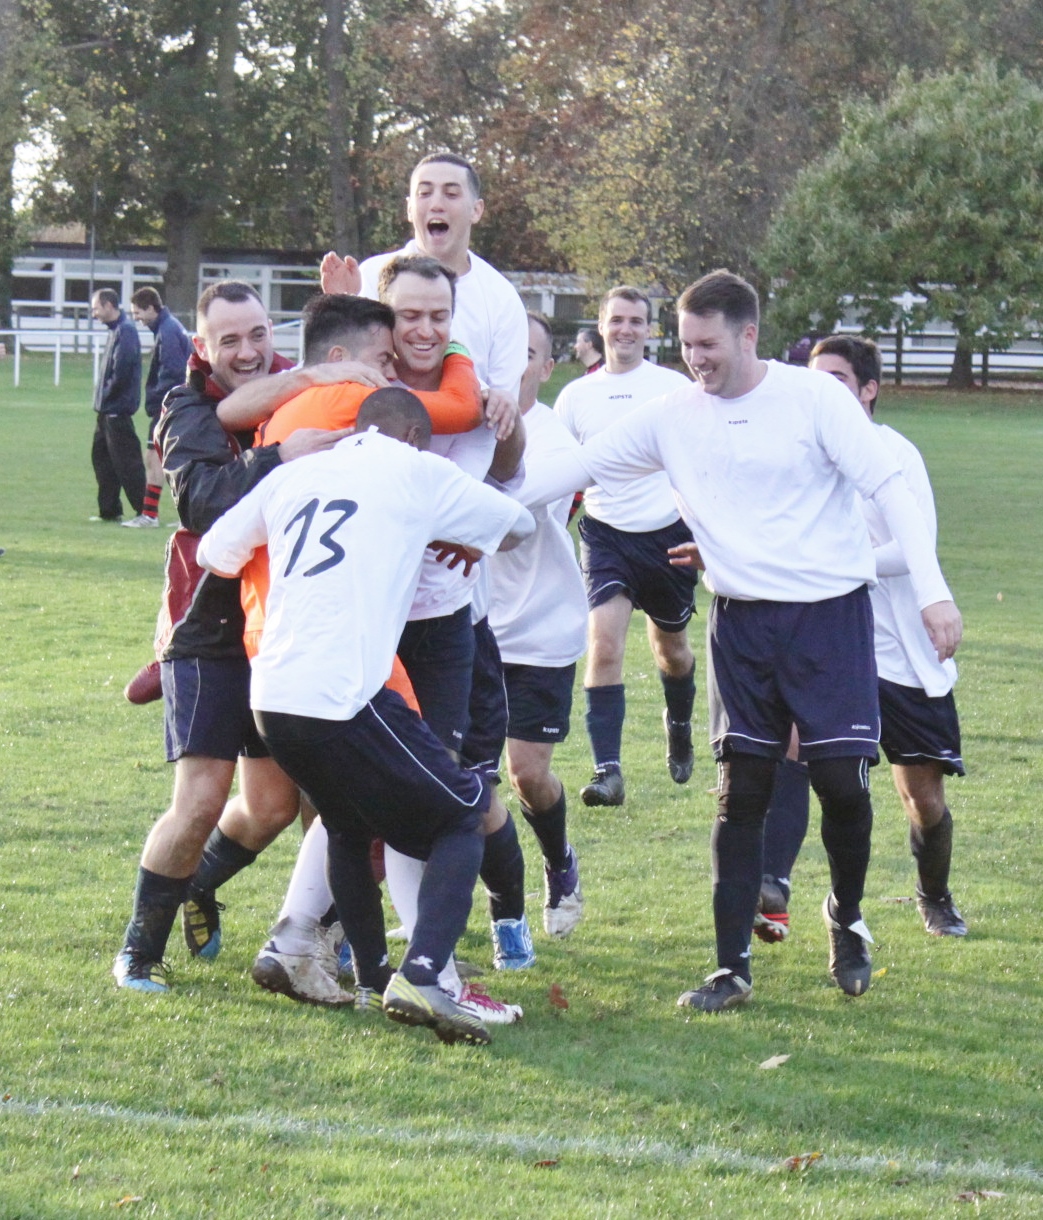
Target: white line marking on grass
x,y
655,1152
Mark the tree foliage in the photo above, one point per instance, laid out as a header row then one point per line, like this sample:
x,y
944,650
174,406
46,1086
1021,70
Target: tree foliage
x,y
938,191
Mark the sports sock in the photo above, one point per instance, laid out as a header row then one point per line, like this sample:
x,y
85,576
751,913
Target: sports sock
x,y
503,872
842,787
150,508
787,821
308,894
606,709
549,827
932,851
222,859
404,875
295,935
360,909
736,844
443,905
680,695
156,902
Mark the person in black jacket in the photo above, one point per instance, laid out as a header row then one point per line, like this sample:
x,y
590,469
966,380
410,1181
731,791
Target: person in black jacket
x,y
205,672
166,369
116,450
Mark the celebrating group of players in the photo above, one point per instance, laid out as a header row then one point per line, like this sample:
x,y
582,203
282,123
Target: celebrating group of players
x,y
364,626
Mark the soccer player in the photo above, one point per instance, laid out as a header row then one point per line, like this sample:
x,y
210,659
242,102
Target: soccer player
x,y
624,540
767,462
590,349
205,673
919,727
537,612
370,766
443,206
167,368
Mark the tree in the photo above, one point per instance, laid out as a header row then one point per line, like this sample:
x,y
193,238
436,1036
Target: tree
x,y
938,191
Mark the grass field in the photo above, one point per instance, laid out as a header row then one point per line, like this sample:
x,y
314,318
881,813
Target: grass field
x,y
924,1098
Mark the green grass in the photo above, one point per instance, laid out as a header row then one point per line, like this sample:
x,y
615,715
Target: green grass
x,y
223,1101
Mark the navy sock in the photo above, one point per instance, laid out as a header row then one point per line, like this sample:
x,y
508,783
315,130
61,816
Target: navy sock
x,y
222,859
503,872
736,852
842,787
787,820
359,906
606,708
549,828
932,851
443,904
680,696
156,902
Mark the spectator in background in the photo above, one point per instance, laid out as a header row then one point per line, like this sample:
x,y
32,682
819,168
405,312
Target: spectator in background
x,y
116,450
589,348
170,354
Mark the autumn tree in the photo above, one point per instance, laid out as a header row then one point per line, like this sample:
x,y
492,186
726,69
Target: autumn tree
x,y
937,191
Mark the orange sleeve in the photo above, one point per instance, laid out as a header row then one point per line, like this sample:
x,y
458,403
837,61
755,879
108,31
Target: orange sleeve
x,y
323,406
456,406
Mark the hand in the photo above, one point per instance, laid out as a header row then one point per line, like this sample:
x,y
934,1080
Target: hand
x,y
944,626
501,412
453,554
336,371
686,556
310,440
338,274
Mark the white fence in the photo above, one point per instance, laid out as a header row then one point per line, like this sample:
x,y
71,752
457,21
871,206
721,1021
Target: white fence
x,y
288,342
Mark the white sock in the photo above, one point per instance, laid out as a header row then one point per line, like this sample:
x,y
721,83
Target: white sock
x,y
308,895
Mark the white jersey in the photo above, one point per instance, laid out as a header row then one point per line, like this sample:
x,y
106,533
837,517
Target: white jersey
x,y
538,606
904,652
489,320
766,482
346,531
589,405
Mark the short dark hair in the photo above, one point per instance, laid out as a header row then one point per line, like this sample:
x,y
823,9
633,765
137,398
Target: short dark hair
x,y
393,410
448,158
862,354
626,292
593,338
539,320
415,264
108,296
721,292
233,291
328,319
147,298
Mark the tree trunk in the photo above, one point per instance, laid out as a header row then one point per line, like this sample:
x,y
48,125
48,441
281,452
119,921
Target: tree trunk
x,y
342,189
961,375
9,106
186,229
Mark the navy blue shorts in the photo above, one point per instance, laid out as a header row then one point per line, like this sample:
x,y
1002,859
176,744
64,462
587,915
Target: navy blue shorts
x,y
438,654
487,709
206,709
382,773
638,566
916,728
774,664
539,702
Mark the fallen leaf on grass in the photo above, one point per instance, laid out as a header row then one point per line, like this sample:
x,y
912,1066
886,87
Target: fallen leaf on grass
x,y
557,996
801,1161
972,1196
75,1172
879,974
545,1165
6,1097
902,899
774,1062
130,1199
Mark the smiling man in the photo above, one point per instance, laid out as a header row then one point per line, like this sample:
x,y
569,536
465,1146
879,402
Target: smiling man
x,y
767,462
623,553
